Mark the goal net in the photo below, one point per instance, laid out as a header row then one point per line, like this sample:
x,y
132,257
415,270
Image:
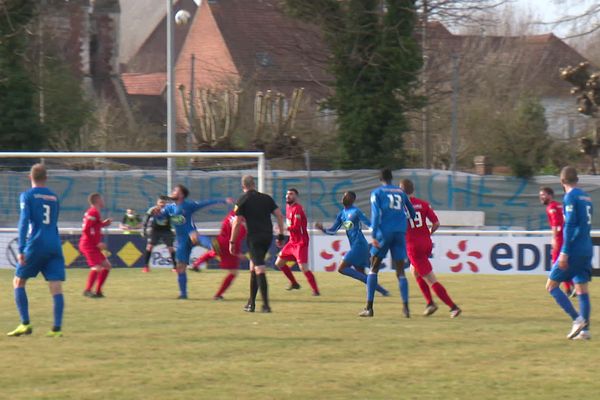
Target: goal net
x,y
127,181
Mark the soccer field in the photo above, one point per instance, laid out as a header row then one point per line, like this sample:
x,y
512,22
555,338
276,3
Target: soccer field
x,y
141,343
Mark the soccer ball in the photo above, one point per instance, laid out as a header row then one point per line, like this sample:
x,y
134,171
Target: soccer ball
x,y
182,17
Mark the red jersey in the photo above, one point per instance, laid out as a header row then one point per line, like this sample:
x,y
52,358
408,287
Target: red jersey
x,y
92,228
296,222
226,227
556,220
418,232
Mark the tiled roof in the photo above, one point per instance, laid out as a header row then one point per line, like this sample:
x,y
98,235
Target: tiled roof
x,y
138,84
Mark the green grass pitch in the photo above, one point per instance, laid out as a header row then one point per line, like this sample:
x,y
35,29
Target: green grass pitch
x,y
141,343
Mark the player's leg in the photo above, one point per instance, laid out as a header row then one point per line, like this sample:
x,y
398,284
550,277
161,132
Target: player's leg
x,y
105,268
557,276
301,256
22,304
348,268
570,288
251,303
430,307
182,255
286,254
377,256
231,264
442,294
58,307
581,280
227,281
262,247
147,256
204,258
399,255
94,258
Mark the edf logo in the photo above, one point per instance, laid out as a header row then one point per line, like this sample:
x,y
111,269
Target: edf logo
x,y
527,257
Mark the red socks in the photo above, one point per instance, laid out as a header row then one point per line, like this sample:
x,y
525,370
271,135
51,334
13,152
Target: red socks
x,y
288,272
568,286
101,279
226,283
440,292
424,289
209,255
91,280
311,281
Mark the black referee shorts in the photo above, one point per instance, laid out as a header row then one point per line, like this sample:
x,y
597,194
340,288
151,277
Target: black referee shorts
x,y
258,247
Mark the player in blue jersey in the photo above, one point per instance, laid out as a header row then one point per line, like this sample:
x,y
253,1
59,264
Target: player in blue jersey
x,y
575,259
351,218
186,237
40,250
390,210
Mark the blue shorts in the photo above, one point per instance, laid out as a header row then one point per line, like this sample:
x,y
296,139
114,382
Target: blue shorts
x,y
395,242
183,249
52,266
579,270
358,256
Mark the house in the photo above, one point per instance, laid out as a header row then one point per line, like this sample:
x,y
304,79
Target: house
x,y
250,46
529,64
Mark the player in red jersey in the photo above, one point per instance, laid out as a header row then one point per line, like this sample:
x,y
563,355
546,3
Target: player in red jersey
x,y
296,249
91,245
419,247
220,248
556,220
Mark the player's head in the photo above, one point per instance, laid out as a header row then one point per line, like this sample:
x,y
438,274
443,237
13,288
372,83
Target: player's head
x,y
95,199
385,176
38,174
291,196
408,186
546,195
161,201
130,211
180,192
248,183
348,199
568,176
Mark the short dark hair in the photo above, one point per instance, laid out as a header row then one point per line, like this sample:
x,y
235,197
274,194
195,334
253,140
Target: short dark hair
x,y
184,190
294,190
547,190
385,175
408,186
351,194
93,198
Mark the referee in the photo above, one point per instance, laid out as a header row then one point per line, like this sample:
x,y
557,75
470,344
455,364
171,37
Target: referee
x,y
255,209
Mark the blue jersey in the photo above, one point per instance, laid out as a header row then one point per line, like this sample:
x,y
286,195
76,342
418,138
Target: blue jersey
x,y
351,219
38,223
390,208
578,209
180,214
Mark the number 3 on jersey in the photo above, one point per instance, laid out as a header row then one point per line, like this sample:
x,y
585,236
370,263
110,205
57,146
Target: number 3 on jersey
x,y
416,222
46,214
395,201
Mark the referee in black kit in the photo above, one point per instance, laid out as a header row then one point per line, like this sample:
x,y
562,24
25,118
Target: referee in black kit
x,y
255,209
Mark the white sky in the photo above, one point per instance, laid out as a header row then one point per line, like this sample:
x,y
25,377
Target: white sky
x,y
552,10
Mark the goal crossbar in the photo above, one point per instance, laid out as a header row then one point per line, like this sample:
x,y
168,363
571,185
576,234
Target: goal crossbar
x,y
260,156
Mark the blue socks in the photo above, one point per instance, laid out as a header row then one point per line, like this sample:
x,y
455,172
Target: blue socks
x,y
585,307
563,301
359,276
403,285
59,306
182,280
371,286
22,304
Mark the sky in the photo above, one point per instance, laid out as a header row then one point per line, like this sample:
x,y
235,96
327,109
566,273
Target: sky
x,y
552,10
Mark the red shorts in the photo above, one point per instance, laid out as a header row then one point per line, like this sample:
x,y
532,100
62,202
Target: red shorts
x,y
93,256
419,258
228,260
295,252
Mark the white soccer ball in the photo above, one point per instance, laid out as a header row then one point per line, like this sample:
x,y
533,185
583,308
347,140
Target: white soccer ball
x,y
182,17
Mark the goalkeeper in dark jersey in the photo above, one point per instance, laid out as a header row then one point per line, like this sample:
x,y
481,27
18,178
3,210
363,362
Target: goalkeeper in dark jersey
x,y
157,229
